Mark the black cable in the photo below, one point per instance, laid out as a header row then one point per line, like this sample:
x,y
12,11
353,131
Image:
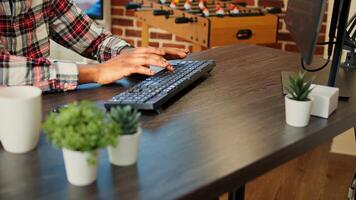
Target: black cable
x,y
317,69
330,50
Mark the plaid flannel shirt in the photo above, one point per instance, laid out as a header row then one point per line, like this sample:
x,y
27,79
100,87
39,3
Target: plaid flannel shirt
x,y
25,29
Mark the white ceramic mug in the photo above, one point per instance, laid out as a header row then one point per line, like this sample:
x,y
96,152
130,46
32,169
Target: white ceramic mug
x,y
20,118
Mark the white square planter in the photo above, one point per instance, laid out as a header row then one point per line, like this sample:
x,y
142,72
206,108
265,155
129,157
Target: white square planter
x,y
325,100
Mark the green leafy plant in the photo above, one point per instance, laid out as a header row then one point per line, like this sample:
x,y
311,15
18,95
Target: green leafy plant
x,y
298,87
81,127
127,118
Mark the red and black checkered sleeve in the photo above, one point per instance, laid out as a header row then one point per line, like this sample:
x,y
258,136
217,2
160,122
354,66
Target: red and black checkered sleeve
x,y
39,72
72,28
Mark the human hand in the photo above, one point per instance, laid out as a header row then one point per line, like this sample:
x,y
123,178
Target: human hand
x,y
166,52
130,61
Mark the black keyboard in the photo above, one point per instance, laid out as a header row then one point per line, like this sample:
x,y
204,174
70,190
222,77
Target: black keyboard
x,y
154,91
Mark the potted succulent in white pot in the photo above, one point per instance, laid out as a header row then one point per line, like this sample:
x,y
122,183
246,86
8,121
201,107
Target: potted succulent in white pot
x,y
80,129
125,153
297,102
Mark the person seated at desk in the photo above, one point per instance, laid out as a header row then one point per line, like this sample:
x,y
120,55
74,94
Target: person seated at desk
x,y
26,27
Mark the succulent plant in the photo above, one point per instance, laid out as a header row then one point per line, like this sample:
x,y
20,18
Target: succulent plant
x,y
127,117
298,87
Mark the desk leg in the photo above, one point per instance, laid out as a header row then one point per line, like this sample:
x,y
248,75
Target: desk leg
x,y
238,194
145,35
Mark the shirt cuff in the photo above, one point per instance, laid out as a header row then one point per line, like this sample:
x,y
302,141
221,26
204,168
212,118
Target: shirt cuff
x,y
66,75
128,46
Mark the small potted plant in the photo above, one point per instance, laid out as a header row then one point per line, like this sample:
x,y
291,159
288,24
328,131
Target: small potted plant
x,y
80,129
297,102
125,153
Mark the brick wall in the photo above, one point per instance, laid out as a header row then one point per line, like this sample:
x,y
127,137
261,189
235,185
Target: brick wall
x,y
127,27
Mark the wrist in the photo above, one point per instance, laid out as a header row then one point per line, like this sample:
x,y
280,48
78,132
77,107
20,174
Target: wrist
x,y
88,73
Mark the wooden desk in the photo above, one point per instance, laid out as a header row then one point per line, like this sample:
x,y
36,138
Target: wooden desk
x,y
226,131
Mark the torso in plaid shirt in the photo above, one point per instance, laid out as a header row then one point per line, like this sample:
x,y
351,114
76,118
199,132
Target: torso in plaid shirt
x,y
25,29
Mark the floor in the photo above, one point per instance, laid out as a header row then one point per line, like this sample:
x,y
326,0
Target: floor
x,y
345,143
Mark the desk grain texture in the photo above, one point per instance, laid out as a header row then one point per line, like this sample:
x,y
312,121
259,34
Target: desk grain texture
x,y
229,129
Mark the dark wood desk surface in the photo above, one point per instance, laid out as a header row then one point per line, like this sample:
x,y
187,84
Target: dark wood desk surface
x,y
226,131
